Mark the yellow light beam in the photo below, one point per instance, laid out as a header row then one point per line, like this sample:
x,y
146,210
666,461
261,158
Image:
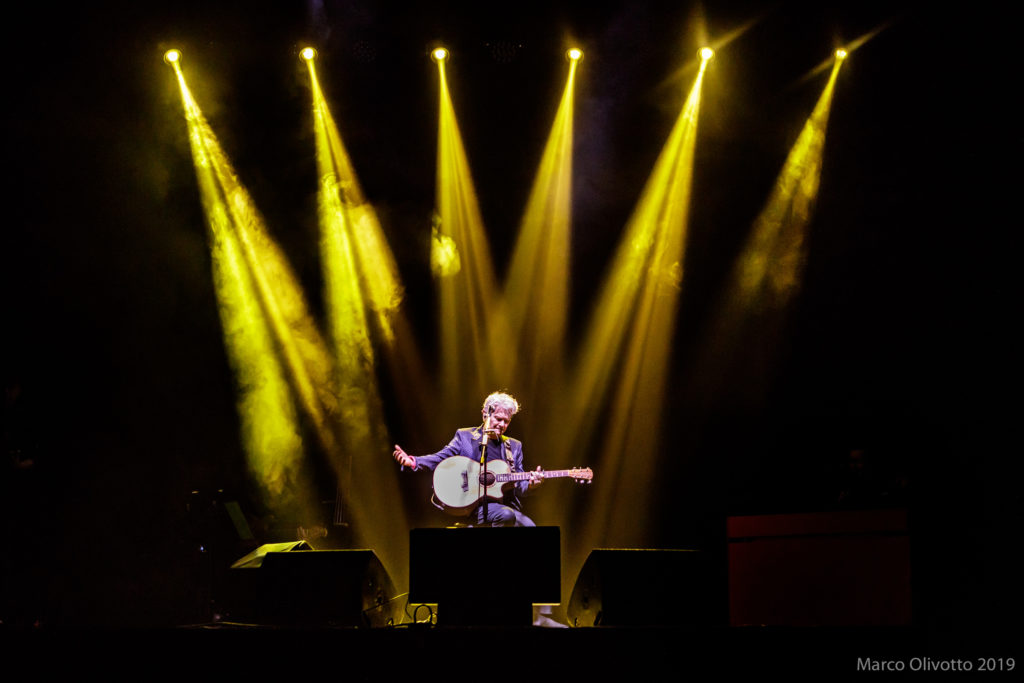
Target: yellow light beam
x,y
772,261
359,269
650,252
621,372
536,292
352,234
275,350
461,259
768,271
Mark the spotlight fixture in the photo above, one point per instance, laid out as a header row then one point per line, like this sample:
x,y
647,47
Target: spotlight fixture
x,y
308,54
439,54
706,53
841,53
172,56
574,54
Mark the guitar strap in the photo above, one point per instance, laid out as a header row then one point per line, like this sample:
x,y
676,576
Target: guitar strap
x,y
508,454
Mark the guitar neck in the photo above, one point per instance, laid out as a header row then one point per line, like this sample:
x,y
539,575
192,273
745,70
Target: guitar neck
x,y
548,474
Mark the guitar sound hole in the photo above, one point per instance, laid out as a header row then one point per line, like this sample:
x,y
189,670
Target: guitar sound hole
x,y
486,479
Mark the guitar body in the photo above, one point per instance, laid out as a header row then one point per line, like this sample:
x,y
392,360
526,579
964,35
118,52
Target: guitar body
x,y
459,483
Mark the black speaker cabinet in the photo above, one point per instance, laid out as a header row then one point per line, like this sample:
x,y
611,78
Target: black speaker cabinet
x,y
485,576
290,584
627,587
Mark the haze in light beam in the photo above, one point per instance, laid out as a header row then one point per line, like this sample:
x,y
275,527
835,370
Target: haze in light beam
x,y
648,262
462,264
276,352
625,356
359,269
769,270
537,287
772,261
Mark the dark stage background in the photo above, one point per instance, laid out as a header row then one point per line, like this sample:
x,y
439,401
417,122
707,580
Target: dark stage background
x,y
900,343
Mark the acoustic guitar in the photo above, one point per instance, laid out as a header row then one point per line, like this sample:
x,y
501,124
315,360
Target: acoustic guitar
x,y
460,483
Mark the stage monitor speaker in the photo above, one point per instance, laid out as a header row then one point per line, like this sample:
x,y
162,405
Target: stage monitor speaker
x,y
255,558
290,584
630,587
486,575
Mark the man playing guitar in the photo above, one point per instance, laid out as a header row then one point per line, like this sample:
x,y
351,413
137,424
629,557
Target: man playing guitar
x,y
506,454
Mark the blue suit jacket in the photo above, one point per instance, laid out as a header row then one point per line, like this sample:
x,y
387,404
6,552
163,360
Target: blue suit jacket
x,y
466,442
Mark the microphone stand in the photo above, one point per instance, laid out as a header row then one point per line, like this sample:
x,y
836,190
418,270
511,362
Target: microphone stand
x,y
483,461
483,474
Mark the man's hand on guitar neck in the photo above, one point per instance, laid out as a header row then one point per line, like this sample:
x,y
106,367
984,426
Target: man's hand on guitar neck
x,y
536,478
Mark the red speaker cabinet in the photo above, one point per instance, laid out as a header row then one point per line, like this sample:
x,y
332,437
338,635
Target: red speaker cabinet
x,y
839,568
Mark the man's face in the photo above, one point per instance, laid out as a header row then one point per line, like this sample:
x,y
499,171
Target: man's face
x,y
498,420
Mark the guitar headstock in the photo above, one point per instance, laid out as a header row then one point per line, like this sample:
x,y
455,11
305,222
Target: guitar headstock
x,y
582,476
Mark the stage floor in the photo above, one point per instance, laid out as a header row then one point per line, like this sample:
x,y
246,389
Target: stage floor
x,y
232,651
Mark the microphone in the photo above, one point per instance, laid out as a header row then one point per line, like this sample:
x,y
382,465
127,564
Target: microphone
x,y
487,422
483,441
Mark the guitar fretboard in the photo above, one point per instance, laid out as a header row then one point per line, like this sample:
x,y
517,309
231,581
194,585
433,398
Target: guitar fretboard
x,y
548,474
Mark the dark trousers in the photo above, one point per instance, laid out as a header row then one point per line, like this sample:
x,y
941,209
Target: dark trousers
x,y
501,515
